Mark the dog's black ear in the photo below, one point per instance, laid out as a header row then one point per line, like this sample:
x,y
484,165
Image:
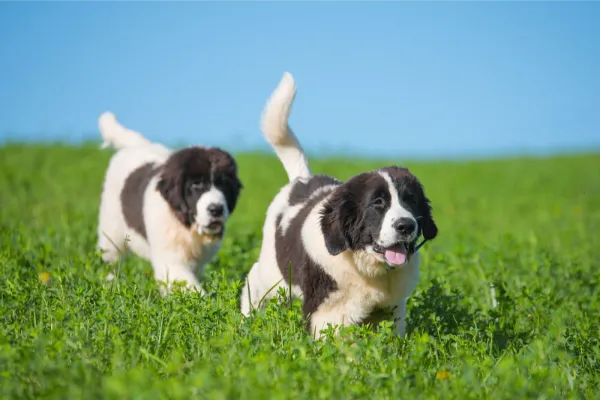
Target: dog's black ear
x,y
170,186
231,187
429,229
234,194
337,221
223,163
335,240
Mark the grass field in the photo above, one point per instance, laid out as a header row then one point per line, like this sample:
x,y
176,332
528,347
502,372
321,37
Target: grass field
x,y
529,226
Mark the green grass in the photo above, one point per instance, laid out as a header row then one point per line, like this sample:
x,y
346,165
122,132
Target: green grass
x,y
529,226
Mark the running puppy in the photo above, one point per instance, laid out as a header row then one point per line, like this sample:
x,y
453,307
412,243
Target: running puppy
x,y
350,248
171,205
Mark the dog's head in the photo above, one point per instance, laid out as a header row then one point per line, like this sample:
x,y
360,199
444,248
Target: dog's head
x,y
381,213
201,186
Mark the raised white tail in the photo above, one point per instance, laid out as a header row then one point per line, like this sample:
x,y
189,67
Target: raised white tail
x,y
116,135
278,133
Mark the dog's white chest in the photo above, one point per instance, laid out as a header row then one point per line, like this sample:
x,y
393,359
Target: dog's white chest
x,y
359,297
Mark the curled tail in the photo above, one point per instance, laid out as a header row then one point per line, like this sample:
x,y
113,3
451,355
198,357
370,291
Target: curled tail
x,y
278,133
116,135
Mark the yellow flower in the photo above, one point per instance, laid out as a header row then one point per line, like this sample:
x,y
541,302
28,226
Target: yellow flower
x,y
442,375
45,277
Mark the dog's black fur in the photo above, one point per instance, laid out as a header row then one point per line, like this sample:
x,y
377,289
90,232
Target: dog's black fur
x,y
132,197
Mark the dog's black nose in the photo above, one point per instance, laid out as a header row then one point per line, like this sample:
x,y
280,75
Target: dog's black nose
x,y
215,209
405,226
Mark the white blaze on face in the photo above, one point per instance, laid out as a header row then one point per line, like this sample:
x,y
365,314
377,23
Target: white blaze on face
x,y
388,236
203,215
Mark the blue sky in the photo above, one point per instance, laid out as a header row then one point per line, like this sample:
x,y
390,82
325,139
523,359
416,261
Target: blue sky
x,y
385,78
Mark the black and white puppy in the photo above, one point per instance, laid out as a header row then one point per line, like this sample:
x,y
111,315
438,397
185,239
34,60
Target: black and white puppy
x,y
348,249
172,206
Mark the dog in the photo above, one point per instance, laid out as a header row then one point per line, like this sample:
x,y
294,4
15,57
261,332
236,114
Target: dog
x,y
168,207
348,249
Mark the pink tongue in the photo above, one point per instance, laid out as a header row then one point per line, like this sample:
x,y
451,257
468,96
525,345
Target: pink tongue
x,y
396,255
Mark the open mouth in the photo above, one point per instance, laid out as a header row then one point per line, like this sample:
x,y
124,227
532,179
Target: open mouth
x,y
394,255
212,228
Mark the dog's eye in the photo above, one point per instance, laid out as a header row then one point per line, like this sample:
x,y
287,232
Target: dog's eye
x,y
196,185
378,202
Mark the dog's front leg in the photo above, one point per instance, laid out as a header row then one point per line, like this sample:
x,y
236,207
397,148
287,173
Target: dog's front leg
x,y
400,317
171,273
325,316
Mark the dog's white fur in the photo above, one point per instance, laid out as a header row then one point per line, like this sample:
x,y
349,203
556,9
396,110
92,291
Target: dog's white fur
x,y
363,283
177,253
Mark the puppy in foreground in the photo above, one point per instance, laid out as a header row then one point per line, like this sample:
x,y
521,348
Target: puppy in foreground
x,y
171,205
349,249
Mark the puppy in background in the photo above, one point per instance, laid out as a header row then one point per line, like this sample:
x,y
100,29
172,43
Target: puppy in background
x,y
172,206
349,249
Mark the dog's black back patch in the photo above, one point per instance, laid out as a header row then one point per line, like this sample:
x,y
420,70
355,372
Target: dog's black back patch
x,y
293,260
301,191
132,197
